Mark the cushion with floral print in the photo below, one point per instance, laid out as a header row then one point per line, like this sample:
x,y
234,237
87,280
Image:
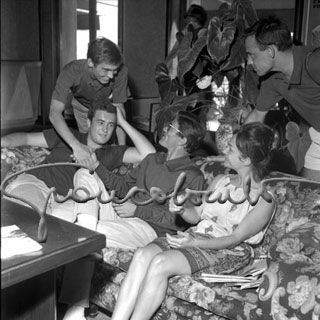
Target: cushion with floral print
x,y
300,244
21,158
289,291
291,285
24,157
298,201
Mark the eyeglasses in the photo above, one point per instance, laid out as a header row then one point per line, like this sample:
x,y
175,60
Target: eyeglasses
x,y
172,126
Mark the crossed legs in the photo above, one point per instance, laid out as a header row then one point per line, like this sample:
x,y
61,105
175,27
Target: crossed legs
x,y
147,280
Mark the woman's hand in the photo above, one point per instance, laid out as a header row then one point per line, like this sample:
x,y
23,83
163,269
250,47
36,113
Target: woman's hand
x,y
174,208
180,240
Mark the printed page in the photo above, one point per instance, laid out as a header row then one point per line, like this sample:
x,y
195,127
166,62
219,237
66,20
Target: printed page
x,y
16,242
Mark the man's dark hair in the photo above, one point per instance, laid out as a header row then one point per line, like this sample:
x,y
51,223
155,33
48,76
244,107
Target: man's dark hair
x,y
103,50
192,129
197,12
271,31
102,104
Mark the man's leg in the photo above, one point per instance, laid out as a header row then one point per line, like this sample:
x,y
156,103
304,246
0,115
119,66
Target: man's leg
x,y
311,168
126,233
76,284
88,213
29,187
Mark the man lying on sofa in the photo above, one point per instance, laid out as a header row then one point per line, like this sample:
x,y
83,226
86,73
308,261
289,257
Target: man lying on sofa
x,y
102,120
131,225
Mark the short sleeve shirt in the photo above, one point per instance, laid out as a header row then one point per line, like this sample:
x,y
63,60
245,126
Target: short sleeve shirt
x,y
61,177
302,91
77,78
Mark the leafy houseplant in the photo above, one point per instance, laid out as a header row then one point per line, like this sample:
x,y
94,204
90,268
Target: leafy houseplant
x,y
211,54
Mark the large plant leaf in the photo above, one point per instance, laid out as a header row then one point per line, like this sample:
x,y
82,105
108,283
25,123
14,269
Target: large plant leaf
x,y
245,7
220,37
167,113
167,87
236,58
189,51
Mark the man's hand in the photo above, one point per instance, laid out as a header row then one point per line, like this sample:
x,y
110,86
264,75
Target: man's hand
x,y
80,152
125,210
91,161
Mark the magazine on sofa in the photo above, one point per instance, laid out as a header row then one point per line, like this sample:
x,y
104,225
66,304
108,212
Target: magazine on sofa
x,y
250,277
16,242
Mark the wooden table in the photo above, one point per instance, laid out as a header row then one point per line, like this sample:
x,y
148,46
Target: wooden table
x,y
28,281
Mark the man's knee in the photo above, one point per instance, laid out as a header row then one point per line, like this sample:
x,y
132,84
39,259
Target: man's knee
x,y
82,175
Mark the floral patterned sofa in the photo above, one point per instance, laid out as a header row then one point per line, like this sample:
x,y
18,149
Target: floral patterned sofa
x,y
289,288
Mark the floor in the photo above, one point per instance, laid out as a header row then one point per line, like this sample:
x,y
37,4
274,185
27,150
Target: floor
x,y
98,316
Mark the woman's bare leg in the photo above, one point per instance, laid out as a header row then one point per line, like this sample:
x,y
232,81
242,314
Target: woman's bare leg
x,y
132,283
154,287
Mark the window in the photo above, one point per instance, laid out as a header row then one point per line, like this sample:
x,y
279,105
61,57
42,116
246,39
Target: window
x,y
106,22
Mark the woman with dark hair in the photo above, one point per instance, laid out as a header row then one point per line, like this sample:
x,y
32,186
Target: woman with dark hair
x,y
217,226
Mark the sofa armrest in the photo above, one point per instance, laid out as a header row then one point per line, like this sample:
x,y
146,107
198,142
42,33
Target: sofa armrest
x,y
300,244
290,291
21,158
291,285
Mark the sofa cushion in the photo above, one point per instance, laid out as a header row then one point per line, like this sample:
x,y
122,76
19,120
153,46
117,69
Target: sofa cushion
x,y
291,285
108,276
289,291
298,201
24,157
21,158
300,244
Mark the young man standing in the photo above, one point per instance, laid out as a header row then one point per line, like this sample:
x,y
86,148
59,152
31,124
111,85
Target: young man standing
x,y
292,73
101,75
102,120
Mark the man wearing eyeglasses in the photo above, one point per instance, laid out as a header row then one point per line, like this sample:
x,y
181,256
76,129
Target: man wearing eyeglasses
x,y
130,225
101,75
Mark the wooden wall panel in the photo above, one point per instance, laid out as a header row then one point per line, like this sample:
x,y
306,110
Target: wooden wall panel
x,y
144,43
20,35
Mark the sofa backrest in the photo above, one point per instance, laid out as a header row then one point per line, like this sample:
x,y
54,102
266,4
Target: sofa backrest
x,y
298,201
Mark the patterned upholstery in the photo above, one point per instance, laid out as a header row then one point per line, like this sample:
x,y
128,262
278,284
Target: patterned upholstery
x,y
291,281
290,287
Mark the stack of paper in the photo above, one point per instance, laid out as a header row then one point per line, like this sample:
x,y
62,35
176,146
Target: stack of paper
x,y
249,278
16,242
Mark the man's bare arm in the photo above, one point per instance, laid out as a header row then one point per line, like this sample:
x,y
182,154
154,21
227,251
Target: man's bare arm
x,y
121,135
80,151
142,146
